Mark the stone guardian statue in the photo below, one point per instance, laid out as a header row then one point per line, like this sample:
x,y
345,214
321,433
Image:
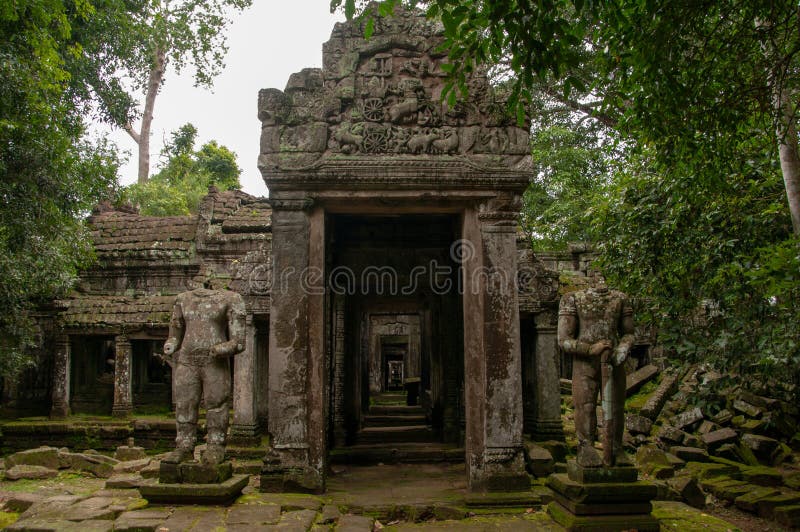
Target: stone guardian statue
x,y
595,327
207,329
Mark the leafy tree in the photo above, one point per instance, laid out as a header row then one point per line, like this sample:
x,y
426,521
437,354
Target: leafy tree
x,y
178,33
702,210
50,176
185,176
575,158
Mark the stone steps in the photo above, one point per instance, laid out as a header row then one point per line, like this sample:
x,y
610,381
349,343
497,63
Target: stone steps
x,y
393,421
396,410
366,454
396,434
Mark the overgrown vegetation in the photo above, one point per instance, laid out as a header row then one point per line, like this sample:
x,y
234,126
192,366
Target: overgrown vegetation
x,y
64,63
665,133
185,176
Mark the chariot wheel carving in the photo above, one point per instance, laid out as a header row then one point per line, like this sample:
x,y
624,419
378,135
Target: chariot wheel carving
x,y
373,109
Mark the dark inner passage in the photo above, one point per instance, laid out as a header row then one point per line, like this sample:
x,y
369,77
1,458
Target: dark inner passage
x,y
396,330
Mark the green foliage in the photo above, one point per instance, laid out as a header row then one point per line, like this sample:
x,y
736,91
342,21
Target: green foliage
x,y
691,215
185,176
49,175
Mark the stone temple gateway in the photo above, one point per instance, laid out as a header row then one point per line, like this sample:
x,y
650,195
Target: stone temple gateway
x,y
386,200
387,257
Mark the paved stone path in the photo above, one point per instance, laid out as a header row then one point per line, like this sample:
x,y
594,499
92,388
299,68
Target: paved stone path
x,y
359,499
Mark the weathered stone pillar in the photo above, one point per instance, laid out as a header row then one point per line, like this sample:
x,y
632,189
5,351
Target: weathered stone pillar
x,y
339,430
493,363
123,392
61,370
547,423
296,349
245,429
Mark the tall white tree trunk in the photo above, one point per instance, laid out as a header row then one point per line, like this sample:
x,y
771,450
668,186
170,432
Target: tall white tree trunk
x,y
789,155
142,137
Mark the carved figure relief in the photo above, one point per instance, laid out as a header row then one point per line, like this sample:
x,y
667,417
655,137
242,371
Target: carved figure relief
x,y
383,96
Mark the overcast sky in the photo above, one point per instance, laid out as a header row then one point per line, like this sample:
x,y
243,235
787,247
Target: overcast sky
x,y
267,43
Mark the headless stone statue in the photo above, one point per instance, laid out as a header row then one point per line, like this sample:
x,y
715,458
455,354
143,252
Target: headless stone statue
x,y
207,329
595,327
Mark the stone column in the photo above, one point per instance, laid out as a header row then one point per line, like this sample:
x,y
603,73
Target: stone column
x,y
61,371
245,429
296,349
123,392
339,430
547,423
493,362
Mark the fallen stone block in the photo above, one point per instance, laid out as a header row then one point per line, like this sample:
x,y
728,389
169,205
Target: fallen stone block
x,y
670,434
748,501
705,470
791,479
690,440
538,460
747,409
762,446
686,420
727,451
19,502
707,426
42,456
655,403
648,455
690,454
124,481
640,377
131,466
746,454
30,472
638,424
151,470
715,485
788,516
97,465
558,449
719,437
762,476
688,490
723,417
766,506
757,400
755,426
125,453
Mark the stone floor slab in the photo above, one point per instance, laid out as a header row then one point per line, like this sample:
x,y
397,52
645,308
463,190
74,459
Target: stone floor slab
x,y
260,514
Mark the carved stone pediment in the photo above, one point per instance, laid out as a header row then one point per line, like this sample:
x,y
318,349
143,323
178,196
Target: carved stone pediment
x,y
380,99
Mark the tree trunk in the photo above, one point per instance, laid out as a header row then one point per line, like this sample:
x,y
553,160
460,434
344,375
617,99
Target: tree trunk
x,y
142,137
790,158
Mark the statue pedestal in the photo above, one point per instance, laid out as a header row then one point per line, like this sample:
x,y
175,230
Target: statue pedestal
x,y
195,483
601,499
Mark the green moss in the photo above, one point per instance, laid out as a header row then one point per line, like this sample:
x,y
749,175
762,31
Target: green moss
x,y
8,518
679,516
635,402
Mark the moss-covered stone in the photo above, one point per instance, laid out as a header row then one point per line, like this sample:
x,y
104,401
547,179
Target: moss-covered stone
x,y
748,501
679,516
762,476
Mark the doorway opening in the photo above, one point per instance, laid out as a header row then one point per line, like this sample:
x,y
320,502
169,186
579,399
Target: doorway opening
x,y
396,331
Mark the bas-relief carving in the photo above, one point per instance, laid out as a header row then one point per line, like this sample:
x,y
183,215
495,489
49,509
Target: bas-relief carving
x,y
382,96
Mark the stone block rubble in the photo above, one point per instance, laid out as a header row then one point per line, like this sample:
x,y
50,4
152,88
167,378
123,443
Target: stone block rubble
x,y
744,454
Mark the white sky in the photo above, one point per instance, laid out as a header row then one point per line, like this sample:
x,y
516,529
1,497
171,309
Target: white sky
x,y
267,43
